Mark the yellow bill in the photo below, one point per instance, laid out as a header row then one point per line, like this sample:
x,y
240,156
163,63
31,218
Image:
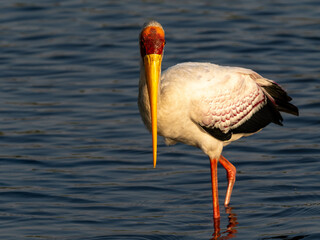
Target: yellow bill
x,y
152,64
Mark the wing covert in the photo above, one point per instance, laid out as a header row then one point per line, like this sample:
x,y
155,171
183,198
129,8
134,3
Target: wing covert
x,y
240,106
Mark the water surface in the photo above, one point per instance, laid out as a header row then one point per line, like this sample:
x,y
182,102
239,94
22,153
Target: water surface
x,y
76,160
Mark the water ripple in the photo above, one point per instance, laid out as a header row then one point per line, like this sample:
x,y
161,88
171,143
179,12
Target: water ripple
x,y
76,161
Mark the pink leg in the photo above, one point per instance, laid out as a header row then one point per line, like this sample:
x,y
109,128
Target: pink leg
x,y
231,175
214,185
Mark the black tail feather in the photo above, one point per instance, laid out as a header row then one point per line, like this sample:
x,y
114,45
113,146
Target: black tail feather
x,y
281,99
288,108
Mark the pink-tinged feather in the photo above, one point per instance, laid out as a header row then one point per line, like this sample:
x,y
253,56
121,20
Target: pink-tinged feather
x,y
235,111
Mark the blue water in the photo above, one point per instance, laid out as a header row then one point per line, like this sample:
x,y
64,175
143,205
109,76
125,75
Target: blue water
x,y
76,160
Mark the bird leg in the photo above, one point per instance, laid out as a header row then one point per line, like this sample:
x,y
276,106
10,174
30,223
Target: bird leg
x,y
214,185
231,175
216,225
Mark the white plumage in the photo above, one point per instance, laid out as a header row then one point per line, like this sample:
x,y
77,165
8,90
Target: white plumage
x,y
204,105
203,94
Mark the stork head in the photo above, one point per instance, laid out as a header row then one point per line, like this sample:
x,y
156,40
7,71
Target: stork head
x,y
152,42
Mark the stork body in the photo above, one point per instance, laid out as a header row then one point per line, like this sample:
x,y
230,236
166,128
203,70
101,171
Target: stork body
x,y
204,105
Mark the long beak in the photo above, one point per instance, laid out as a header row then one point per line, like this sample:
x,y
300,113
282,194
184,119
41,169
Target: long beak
x,y
152,63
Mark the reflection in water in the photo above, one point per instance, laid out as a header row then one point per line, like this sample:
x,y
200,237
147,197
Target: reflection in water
x,y
231,228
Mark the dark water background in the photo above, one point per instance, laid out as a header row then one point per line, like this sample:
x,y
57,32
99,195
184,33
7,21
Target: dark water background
x,y
75,159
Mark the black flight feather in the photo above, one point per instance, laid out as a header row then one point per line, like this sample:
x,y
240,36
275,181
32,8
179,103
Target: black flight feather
x,y
281,99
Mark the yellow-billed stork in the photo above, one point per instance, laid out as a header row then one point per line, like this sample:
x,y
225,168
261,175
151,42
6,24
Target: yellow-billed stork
x,y
204,105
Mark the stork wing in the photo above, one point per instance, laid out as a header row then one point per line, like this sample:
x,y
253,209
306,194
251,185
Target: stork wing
x,y
237,103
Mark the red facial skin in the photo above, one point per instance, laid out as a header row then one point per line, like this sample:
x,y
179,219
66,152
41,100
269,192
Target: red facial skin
x,y
151,41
